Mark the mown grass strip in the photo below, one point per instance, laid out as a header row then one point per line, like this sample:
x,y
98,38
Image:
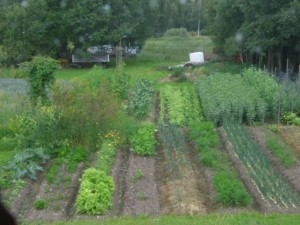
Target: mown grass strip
x,y
215,219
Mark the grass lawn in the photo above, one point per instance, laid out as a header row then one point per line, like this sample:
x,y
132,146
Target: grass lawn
x,y
215,219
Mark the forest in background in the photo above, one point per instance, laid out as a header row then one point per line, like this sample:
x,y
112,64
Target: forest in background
x,y
263,33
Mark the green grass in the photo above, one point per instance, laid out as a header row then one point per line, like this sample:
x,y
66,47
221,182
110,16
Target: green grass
x,y
283,152
167,48
212,219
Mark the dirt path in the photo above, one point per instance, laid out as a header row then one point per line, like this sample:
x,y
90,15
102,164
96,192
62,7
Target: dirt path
x,y
141,195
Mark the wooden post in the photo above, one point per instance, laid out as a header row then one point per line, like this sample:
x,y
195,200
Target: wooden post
x,y
287,69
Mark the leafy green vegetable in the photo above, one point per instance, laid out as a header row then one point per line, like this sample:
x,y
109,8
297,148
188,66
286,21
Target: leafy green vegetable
x,y
95,193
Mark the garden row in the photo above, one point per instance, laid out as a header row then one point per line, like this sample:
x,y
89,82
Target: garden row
x,y
179,107
273,188
251,96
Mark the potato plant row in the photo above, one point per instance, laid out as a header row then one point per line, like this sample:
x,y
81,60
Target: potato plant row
x,y
271,185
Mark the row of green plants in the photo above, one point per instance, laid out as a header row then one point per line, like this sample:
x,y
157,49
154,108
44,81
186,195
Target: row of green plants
x,y
271,185
143,140
141,99
281,150
248,97
179,105
173,140
230,190
96,185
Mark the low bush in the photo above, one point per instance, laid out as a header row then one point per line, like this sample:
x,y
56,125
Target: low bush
x,y
230,191
26,164
143,141
40,204
95,193
141,98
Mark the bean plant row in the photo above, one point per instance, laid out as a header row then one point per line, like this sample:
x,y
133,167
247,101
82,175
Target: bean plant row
x,y
141,99
250,96
271,185
179,105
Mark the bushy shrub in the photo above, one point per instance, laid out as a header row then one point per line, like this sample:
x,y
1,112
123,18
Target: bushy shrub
x,y
41,76
87,111
230,192
40,127
95,193
143,142
141,98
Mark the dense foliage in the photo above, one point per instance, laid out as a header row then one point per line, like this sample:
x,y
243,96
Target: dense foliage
x,y
179,105
143,141
41,76
95,193
61,27
251,96
261,32
141,98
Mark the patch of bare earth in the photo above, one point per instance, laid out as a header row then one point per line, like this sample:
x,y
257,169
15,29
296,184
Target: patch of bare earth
x,y
141,195
184,194
59,195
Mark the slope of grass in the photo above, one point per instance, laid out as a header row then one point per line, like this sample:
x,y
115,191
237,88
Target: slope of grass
x,y
212,219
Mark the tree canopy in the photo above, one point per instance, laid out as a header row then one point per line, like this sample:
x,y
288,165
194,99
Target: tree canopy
x,y
262,32
39,27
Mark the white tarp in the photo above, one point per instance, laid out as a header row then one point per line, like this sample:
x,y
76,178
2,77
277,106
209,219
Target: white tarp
x,y
196,57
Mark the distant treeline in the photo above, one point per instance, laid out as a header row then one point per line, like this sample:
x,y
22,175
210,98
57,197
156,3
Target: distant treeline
x,y
264,33
58,27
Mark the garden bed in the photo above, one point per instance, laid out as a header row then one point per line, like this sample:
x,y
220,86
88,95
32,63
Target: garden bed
x,y
261,189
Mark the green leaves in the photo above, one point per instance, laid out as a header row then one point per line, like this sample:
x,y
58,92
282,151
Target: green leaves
x,y
143,141
249,97
95,193
26,164
41,76
141,98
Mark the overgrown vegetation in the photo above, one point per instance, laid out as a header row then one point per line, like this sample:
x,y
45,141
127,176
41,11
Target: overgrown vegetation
x,y
40,71
141,98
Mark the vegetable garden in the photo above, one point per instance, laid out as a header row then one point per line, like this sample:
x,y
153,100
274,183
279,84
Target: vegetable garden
x,y
153,149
